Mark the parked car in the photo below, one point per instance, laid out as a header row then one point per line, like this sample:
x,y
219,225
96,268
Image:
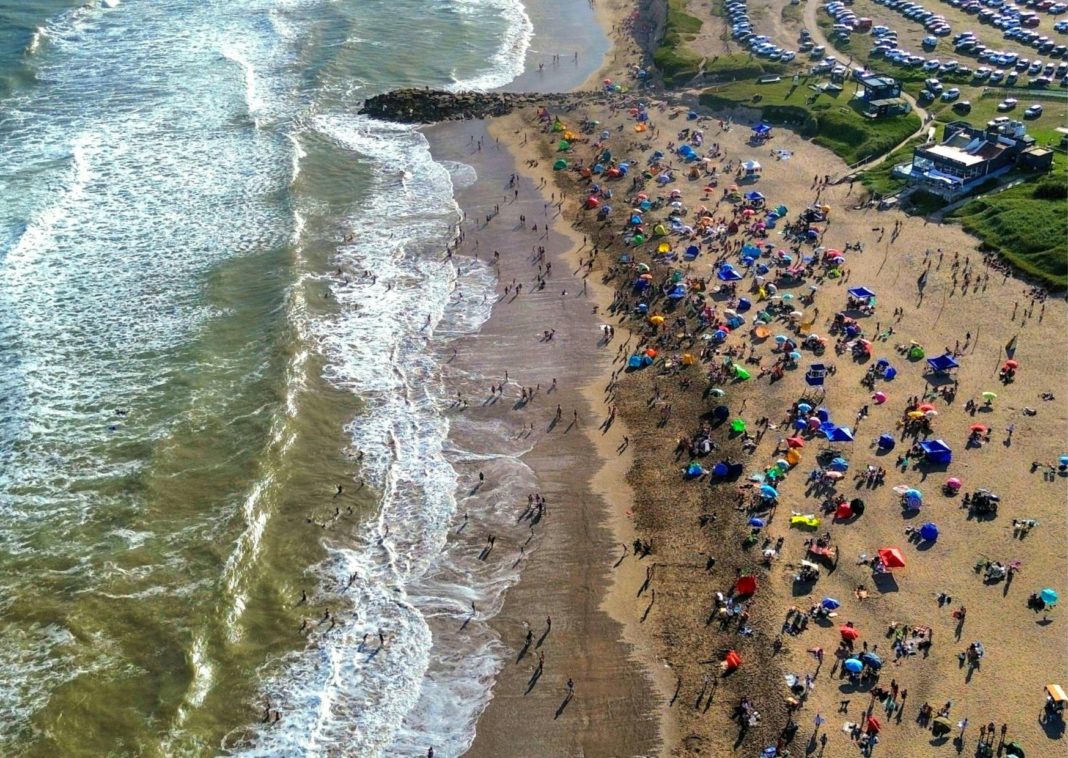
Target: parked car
x,y
962,106
1034,111
950,94
1007,104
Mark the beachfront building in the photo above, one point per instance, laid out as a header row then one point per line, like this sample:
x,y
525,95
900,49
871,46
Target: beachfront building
x,y
969,156
880,96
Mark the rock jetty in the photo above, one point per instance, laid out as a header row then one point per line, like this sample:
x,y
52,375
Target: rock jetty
x,y
427,106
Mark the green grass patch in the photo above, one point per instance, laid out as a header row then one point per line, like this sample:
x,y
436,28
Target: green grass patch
x,y
923,203
880,179
829,120
740,66
1027,225
673,59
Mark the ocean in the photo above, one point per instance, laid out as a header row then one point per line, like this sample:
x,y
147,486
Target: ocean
x,y
222,295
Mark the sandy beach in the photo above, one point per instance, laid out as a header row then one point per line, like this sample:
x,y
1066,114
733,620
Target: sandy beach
x,y
643,637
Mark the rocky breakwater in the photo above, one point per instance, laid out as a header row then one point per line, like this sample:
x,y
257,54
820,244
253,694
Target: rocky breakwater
x,y
427,106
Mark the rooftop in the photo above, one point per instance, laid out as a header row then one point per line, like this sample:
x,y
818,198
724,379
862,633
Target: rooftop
x,y
956,155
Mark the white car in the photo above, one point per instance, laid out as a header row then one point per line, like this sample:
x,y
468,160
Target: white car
x,y
950,94
1007,104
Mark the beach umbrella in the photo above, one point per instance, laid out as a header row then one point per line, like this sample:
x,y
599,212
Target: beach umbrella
x,y
788,295
981,428
795,442
853,666
913,494
741,373
848,632
720,469
830,603
804,407
929,532
879,397
746,585
1049,596
780,338
766,490
843,511
873,725
1012,364
738,425
953,483
892,557
794,355
1063,460
717,392
757,522
989,396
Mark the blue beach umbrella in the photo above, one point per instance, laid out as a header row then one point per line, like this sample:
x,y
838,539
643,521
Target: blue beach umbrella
x,y
830,603
853,666
1049,596
757,522
766,490
929,532
804,407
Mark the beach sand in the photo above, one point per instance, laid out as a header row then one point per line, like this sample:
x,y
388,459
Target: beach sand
x,y
1023,651
641,638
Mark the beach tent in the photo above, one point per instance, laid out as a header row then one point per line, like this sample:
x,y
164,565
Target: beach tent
x,y
815,375
751,167
754,197
840,434
762,128
916,352
886,442
728,274
560,165
937,451
862,293
892,557
942,363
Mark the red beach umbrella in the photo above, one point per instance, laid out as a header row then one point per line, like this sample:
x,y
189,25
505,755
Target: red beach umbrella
x,y
892,557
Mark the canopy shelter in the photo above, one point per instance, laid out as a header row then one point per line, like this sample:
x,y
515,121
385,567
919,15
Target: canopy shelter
x,y
862,293
937,451
942,363
762,128
892,558
840,434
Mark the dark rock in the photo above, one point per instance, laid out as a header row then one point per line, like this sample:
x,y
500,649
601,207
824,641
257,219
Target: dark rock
x,y
426,106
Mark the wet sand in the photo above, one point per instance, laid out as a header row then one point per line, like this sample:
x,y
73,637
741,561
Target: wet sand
x,y
566,555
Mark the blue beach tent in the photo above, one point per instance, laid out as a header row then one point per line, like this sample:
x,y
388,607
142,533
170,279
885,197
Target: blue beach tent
x,y
943,363
861,292
937,451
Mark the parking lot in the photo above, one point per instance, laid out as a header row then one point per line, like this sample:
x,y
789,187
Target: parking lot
x,y
943,40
